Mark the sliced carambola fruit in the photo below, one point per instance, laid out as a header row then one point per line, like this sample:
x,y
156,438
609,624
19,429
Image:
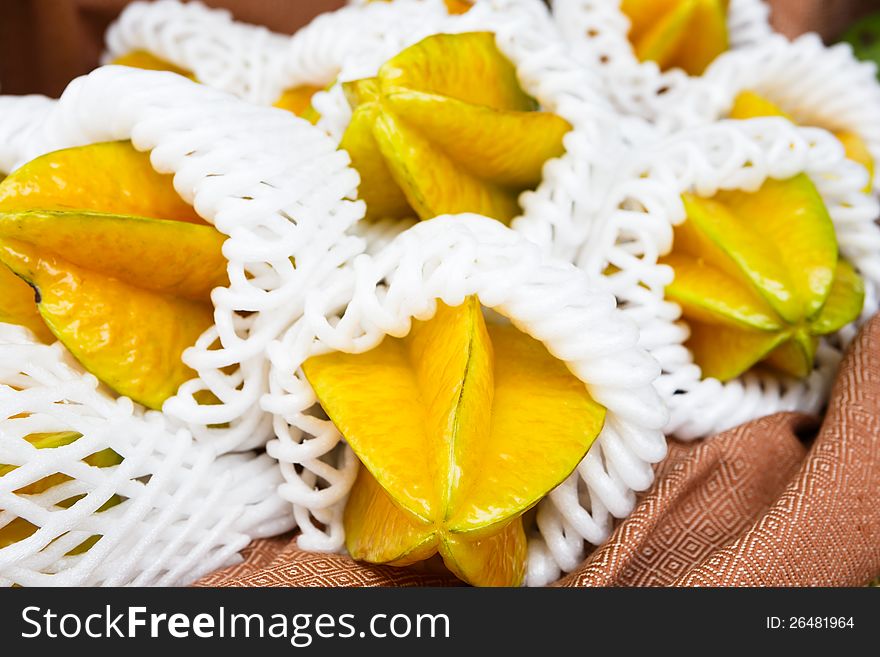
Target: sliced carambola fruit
x,y
686,34
446,128
121,268
749,105
461,428
759,279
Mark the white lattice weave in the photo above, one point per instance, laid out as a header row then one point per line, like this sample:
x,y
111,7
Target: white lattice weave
x,y
816,85
271,182
185,511
596,32
449,258
637,229
242,59
355,41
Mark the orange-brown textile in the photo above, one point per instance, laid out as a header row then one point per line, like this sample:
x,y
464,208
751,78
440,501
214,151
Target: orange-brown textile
x,y
770,503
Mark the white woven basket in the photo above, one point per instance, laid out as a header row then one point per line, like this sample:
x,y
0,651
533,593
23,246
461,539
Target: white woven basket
x,y
449,258
596,32
637,228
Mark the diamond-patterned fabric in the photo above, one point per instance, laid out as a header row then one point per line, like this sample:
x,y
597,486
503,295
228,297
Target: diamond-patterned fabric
x,y
781,501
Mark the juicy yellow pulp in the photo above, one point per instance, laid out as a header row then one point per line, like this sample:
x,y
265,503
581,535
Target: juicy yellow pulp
x,y
18,529
461,427
686,34
97,249
749,105
759,279
445,128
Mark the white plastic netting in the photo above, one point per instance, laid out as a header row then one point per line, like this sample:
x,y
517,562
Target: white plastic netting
x,y
242,59
596,32
817,85
559,216
641,137
637,229
449,258
182,511
273,183
355,41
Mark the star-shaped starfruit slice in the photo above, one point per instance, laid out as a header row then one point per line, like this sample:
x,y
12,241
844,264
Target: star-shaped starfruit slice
x,y
19,529
750,105
685,34
758,277
445,128
462,426
121,268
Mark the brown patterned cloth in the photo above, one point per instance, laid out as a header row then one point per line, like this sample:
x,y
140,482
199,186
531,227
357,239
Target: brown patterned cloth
x,y
781,501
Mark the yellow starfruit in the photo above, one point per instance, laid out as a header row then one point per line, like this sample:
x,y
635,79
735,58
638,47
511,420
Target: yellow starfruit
x,y
462,426
298,100
149,62
458,6
686,34
121,267
17,305
749,105
759,279
18,528
446,128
